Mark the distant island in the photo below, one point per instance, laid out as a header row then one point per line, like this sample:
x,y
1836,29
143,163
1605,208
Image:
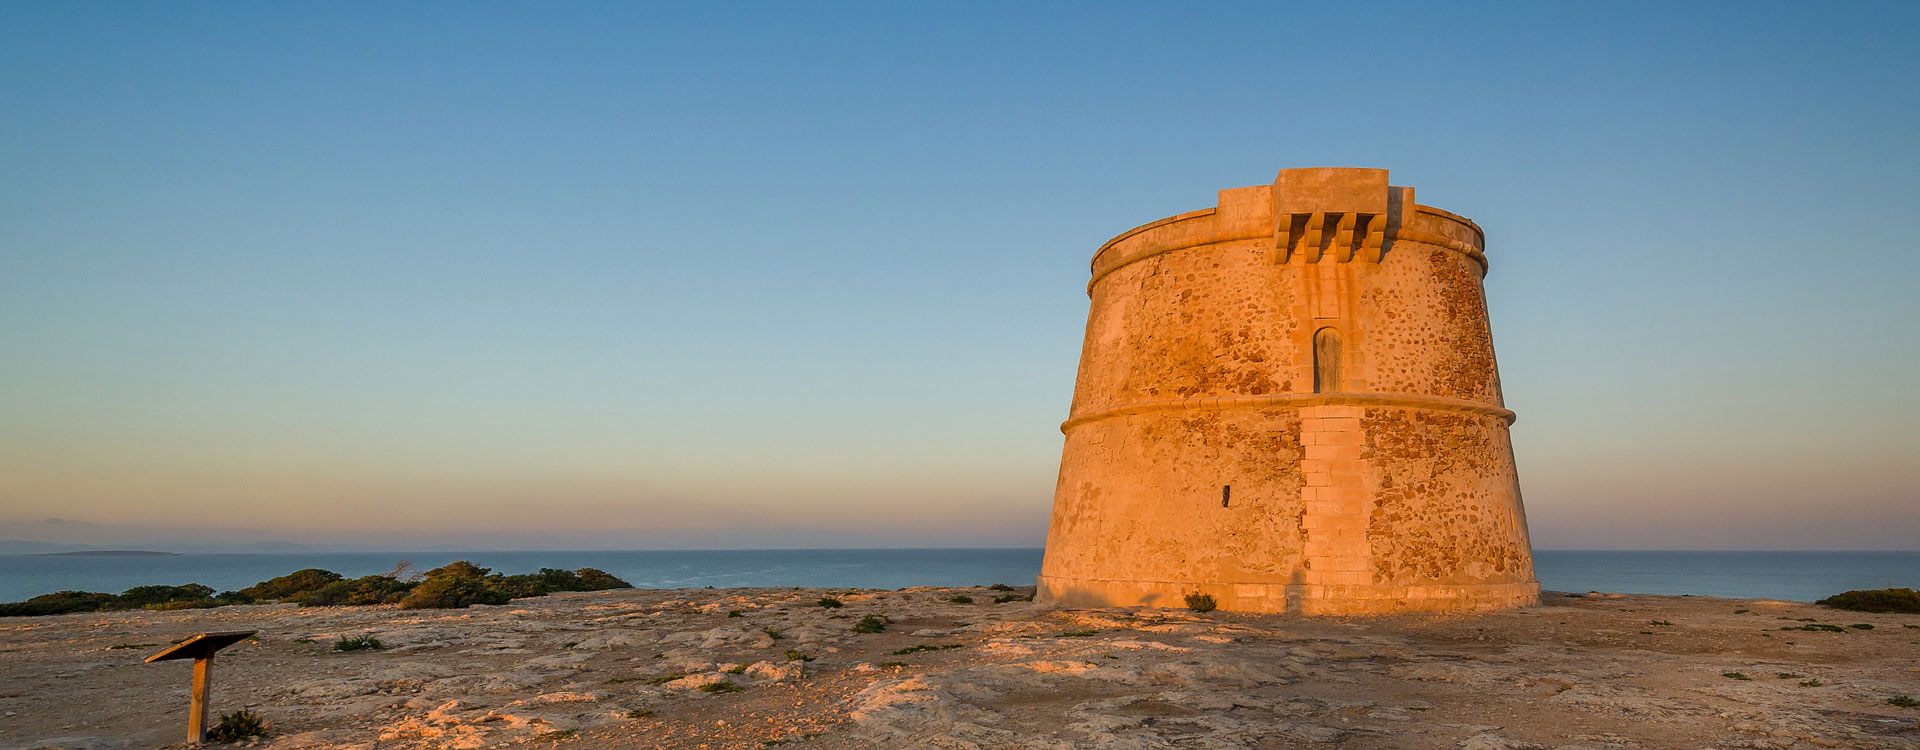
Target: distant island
x,y
109,553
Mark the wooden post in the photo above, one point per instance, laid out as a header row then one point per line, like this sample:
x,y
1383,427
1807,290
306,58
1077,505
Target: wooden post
x,y
202,688
200,649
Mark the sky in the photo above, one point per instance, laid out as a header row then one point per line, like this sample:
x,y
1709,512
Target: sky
x,y
756,274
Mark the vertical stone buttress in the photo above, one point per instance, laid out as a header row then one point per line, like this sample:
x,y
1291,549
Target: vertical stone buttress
x,y
1289,402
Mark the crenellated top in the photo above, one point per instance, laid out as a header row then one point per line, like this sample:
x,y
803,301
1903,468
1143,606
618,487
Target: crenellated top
x,y
1314,215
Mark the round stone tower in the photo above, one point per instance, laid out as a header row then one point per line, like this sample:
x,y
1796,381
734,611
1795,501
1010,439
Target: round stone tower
x,y
1289,402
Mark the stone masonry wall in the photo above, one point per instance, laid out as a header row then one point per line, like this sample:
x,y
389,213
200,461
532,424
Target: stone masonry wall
x,y
1199,457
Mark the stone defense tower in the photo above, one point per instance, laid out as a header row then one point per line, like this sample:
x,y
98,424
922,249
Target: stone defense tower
x,y
1289,402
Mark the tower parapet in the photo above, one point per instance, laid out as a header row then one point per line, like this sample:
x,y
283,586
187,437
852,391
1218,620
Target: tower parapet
x,y
1289,402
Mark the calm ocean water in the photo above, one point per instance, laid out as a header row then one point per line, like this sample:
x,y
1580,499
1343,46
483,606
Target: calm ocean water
x,y
1802,576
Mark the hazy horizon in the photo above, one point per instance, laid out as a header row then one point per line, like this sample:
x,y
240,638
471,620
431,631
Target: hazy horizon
x,y
752,276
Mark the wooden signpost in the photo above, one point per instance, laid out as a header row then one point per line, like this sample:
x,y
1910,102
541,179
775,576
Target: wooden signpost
x,y
200,649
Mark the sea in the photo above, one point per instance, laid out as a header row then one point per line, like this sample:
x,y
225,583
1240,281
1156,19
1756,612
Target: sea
x,y
1797,576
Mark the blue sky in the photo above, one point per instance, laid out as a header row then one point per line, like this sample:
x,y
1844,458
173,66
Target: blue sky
x,y
758,274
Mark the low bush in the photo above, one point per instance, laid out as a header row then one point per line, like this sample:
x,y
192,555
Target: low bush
x,y
502,588
830,602
189,596
207,603
961,599
290,585
459,568
1817,627
452,592
362,591
927,647
59,603
237,726
359,643
870,624
452,586
1199,602
146,596
1902,601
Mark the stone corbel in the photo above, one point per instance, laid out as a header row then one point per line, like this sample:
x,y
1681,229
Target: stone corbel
x,y
1328,209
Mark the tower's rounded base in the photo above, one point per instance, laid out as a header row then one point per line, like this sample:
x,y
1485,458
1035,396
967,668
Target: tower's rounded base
x,y
1294,598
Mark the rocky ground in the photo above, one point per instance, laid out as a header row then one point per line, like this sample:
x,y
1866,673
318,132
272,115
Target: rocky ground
x,y
761,667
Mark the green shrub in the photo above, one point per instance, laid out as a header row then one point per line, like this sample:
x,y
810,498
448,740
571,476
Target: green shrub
x,y
517,587
60,603
1903,601
142,596
1199,602
1902,701
289,585
1736,676
359,643
461,569
526,585
455,585
737,669
593,579
359,591
734,613
1000,587
452,592
237,726
1862,626
722,686
207,603
927,647
639,713
830,602
1004,598
793,655
773,633
870,624
961,599
666,678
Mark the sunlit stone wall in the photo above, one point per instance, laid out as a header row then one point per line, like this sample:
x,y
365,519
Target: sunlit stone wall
x,y
1289,402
